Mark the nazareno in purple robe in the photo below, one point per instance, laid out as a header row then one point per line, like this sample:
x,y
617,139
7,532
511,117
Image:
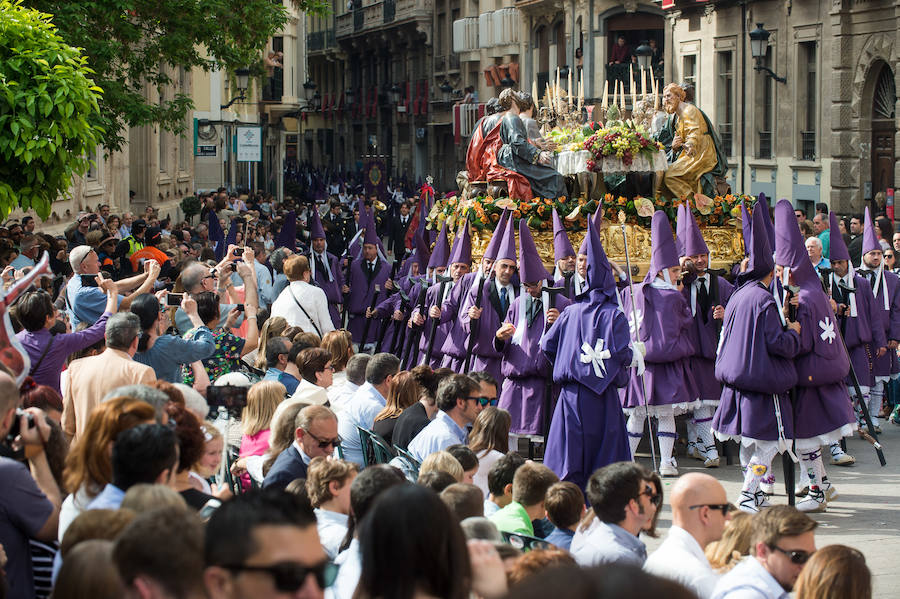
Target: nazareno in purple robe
x,y
664,322
864,333
453,350
360,298
525,369
887,364
485,356
705,339
755,365
443,328
331,288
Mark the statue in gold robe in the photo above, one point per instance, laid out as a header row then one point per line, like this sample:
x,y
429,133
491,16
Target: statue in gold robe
x,y
694,143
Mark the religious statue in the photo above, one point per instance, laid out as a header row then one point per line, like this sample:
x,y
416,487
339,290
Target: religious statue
x,y
698,162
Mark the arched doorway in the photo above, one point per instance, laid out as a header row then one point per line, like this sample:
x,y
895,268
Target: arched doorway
x,y
884,129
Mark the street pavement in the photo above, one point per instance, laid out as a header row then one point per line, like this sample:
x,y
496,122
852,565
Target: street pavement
x,y
865,515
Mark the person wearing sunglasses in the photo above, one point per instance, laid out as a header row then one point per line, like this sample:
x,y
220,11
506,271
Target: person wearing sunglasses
x,y
523,364
316,435
459,403
700,510
624,500
783,541
264,545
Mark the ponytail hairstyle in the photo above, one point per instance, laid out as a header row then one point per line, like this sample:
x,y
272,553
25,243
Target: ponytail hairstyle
x,y
146,308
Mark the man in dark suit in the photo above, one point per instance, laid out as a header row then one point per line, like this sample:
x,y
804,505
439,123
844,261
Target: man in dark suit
x,y
316,435
399,227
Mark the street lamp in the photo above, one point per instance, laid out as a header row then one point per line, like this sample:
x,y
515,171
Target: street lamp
x,y
507,82
759,44
316,101
243,82
644,55
309,89
349,95
395,94
446,90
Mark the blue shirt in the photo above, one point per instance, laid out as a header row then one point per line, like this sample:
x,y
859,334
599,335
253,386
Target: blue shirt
x,y
361,410
169,352
607,543
561,537
289,381
84,304
441,433
749,580
110,498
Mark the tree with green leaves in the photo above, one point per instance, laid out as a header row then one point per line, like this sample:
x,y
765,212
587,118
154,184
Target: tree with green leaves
x,y
49,111
133,44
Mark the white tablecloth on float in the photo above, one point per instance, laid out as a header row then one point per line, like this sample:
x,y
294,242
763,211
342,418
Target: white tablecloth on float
x,y
572,163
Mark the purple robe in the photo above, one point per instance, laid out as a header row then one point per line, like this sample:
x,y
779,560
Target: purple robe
x,y
822,404
331,288
415,294
443,328
587,430
484,354
453,349
384,317
665,324
525,370
864,333
705,337
755,365
361,292
887,364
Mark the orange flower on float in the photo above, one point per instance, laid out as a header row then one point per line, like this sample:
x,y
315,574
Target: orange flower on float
x,y
495,218
516,214
549,202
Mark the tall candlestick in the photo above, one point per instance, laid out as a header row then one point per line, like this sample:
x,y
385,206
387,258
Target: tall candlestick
x,y
570,86
632,87
605,103
643,84
534,96
580,93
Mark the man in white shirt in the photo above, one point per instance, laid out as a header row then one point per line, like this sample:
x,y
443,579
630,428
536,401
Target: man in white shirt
x,y
459,403
339,394
363,407
783,541
328,486
699,511
302,304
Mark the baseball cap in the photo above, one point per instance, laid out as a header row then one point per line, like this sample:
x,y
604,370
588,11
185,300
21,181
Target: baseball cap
x,y
77,256
153,234
138,225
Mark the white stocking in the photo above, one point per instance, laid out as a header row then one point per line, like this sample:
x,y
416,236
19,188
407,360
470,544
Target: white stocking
x,y
809,468
876,397
703,419
746,452
666,434
635,428
759,465
691,430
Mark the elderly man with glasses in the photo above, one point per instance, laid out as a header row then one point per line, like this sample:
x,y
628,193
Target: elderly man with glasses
x,y
316,435
699,512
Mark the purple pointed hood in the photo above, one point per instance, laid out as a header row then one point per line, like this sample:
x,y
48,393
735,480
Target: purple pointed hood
x,y
441,252
693,240
837,249
663,255
790,250
870,239
316,231
531,267
507,248
679,230
287,237
494,244
746,228
761,262
599,271
763,204
597,219
423,255
562,247
462,246
371,236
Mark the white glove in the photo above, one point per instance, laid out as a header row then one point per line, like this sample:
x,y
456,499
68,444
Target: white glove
x,y
639,346
637,357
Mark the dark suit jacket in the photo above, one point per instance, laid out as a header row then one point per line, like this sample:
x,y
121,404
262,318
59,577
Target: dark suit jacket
x,y
409,424
397,243
855,249
288,466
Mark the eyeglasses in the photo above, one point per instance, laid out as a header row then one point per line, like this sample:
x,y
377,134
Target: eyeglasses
x,y
209,276
290,576
323,443
485,401
724,507
797,556
655,498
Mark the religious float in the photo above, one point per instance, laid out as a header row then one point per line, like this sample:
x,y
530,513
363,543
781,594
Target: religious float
x,y
626,162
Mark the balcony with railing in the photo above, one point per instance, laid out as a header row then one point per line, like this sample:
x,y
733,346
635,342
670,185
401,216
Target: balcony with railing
x,y
465,34
807,145
381,13
727,135
318,41
464,118
390,10
765,145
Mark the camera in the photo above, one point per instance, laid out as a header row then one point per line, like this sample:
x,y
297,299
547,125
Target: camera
x,y
15,429
173,300
231,397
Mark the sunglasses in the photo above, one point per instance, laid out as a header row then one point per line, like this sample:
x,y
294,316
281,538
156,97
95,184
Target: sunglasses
x,y
290,576
323,443
723,507
485,401
655,498
797,556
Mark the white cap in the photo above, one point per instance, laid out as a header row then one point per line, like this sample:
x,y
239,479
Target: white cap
x,y
235,379
77,256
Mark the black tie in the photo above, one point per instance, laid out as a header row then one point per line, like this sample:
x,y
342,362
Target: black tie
x,y
320,265
504,301
703,300
536,307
